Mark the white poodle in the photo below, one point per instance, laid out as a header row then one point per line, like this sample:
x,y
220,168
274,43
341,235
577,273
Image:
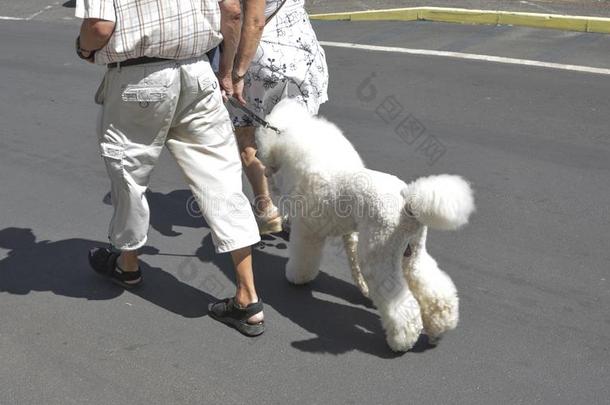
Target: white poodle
x,y
327,191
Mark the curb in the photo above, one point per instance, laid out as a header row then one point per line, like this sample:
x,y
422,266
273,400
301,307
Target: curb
x,y
467,16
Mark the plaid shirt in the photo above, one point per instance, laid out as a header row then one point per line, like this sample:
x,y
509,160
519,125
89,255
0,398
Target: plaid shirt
x,y
170,29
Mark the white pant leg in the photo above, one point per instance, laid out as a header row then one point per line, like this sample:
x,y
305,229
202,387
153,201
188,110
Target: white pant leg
x,y
139,105
203,143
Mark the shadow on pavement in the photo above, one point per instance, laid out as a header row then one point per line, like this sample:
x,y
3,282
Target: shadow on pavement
x,y
61,267
339,328
69,4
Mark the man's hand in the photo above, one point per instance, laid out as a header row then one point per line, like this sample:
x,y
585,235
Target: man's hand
x,y
94,34
226,85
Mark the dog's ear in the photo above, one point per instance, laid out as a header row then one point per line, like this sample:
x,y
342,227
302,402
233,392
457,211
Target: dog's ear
x,y
288,111
288,115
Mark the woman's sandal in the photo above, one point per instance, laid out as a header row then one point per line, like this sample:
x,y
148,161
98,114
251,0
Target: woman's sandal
x,y
228,312
269,222
105,262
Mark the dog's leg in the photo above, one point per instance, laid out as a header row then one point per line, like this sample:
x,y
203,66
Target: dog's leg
x,y
305,252
350,242
433,289
388,289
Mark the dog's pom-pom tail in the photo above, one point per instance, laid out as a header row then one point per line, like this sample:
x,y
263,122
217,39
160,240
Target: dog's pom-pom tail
x,y
441,202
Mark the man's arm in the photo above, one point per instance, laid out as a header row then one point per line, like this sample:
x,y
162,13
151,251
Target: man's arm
x,y
230,27
94,34
251,32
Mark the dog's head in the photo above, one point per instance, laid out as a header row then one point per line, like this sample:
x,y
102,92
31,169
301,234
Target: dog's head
x,y
286,116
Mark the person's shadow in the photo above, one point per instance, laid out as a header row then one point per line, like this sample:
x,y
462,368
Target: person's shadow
x,y
62,268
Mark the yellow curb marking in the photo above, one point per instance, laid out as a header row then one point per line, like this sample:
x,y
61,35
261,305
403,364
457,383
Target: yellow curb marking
x,y
466,16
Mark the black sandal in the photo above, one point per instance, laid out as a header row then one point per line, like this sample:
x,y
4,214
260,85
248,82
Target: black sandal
x,y
228,312
104,262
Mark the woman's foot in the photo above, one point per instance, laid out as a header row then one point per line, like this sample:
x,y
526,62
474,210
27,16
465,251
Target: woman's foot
x,y
269,221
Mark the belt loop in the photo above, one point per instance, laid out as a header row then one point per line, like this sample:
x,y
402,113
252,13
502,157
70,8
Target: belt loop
x,y
118,66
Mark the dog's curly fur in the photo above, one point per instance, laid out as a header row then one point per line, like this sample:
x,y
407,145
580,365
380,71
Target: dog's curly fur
x,y
383,222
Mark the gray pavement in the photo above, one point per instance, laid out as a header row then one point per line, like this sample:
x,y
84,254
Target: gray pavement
x,y
531,268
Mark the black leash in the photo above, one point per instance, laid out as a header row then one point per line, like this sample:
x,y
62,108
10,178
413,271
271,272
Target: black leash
x,y
253,115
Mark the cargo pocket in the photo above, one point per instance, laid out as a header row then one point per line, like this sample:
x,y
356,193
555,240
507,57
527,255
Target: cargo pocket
x,y
113,156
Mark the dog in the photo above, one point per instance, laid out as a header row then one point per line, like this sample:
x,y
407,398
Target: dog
x,y
326,191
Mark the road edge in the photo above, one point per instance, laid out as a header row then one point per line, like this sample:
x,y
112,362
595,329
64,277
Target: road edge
x,y
467,16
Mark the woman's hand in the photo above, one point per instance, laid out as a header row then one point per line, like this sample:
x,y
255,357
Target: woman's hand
x,y
230,26
251,31
238,89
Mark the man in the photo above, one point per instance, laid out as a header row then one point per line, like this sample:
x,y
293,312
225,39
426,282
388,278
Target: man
x,y
159,90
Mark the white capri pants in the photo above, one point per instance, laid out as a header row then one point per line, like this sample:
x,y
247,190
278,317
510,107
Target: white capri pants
x,y
178,104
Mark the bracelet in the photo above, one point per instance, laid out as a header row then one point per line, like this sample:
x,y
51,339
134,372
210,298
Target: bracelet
x,y
237,78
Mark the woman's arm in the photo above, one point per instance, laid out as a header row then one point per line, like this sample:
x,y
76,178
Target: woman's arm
x,y
230,27
251,32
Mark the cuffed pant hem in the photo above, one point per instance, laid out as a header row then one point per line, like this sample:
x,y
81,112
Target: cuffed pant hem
x,y
229,246
129,246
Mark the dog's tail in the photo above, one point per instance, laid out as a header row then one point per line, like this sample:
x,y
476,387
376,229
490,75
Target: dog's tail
x,y
440,202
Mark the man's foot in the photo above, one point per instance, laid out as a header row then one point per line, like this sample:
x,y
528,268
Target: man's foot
x,y
106,263
247,319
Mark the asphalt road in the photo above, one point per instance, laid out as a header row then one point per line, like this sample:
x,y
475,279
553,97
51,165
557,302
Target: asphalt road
x,y
531,268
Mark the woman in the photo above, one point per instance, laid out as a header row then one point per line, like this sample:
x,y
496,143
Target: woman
x,y
278,56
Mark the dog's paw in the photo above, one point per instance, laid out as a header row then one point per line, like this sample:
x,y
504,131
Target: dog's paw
x,y
296,275
440,316
402,325
402,339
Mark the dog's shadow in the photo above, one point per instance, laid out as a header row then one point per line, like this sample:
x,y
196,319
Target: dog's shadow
x,y
339,328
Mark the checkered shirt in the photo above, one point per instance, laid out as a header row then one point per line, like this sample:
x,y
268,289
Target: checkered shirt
x,y
170,29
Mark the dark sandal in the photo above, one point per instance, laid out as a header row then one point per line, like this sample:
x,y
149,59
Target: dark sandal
x,y
104,262
229,313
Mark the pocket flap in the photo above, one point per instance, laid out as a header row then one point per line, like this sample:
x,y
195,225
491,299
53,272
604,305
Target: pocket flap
x,y
205,82
112,151
141,93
